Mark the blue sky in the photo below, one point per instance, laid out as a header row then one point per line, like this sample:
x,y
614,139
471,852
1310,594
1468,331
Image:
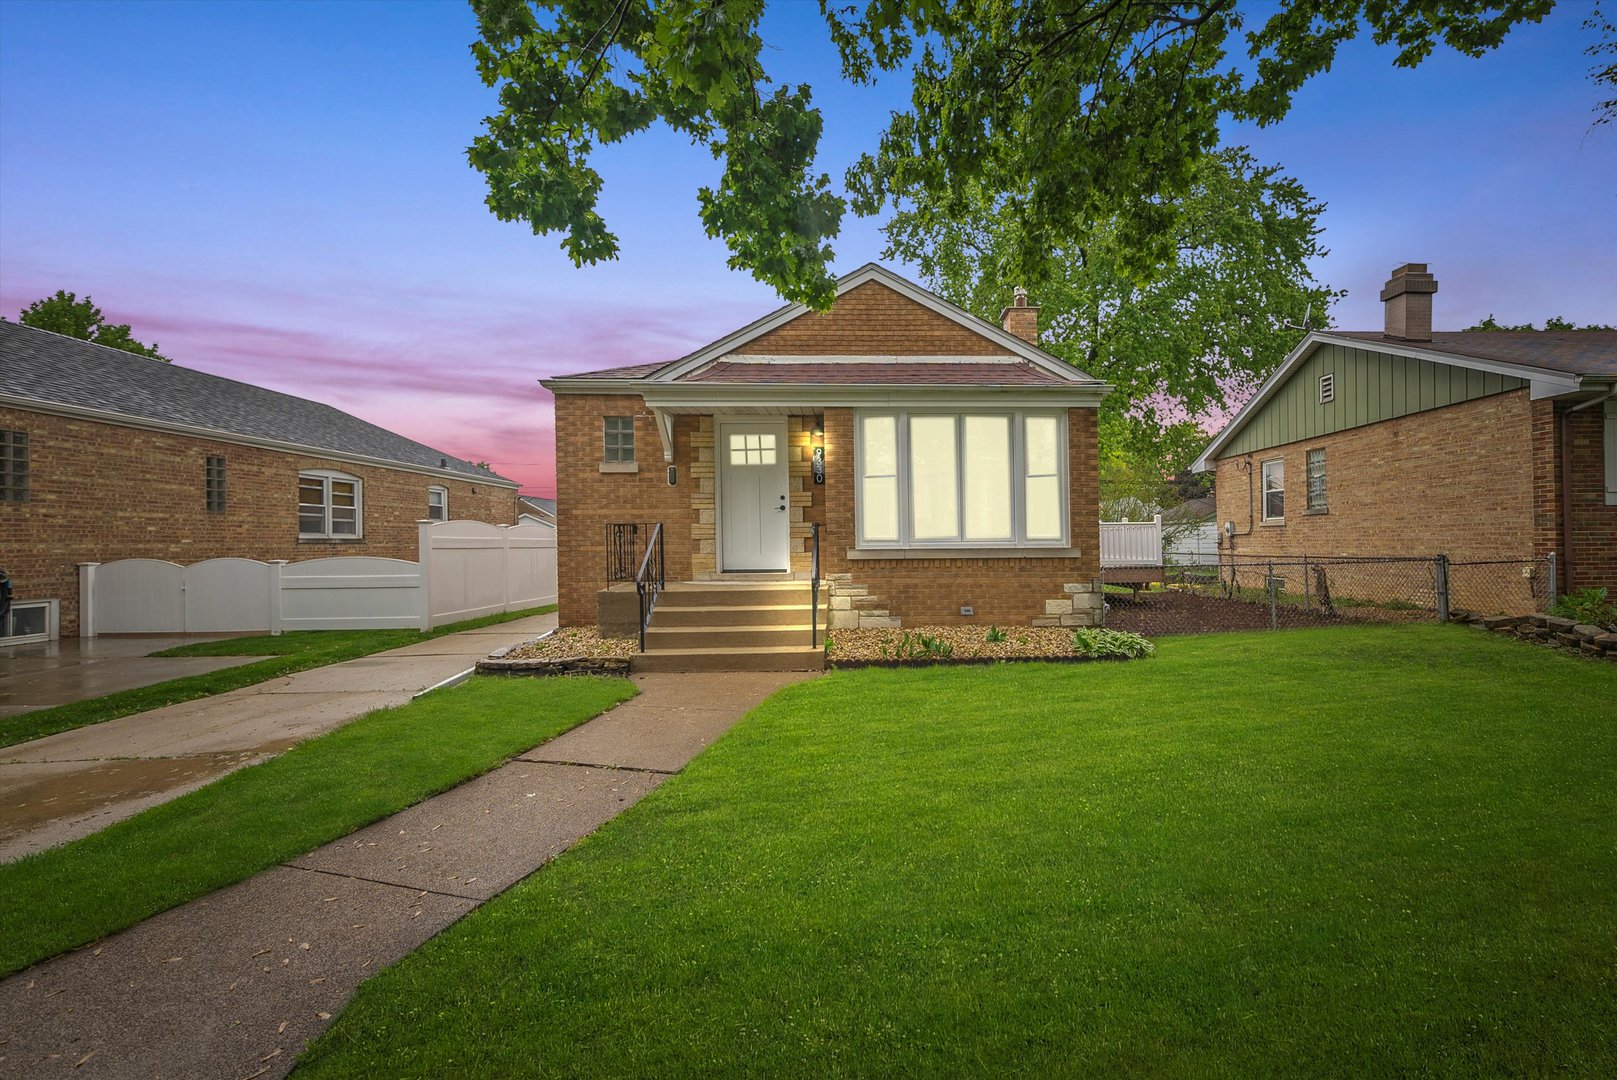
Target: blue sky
x,y
279,193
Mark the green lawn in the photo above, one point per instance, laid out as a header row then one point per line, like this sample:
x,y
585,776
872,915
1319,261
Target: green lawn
x,y
1351,852
287,653
316,792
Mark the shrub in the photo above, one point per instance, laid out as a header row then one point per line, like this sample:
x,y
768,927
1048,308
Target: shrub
x,y
1586,606
1094,641
994,636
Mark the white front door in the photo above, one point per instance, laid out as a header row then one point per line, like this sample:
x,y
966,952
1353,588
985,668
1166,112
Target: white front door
x,y
754,519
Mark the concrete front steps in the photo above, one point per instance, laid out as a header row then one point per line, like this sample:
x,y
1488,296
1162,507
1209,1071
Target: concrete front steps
x,y
739,626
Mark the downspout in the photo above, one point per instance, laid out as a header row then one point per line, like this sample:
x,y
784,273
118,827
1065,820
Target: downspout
x,y
1564,423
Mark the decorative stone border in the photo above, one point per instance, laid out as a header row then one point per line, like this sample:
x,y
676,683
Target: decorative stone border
x,y
972,661
1549,630
575,665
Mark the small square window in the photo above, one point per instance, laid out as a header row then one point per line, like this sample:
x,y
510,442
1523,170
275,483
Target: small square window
x,y
1274,490
214,485
13,466
752,449
1327,388
619,433
1316,480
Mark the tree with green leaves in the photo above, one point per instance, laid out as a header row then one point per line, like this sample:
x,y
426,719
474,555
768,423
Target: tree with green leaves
x,y
1058,112
1554,322
64,313
1182,346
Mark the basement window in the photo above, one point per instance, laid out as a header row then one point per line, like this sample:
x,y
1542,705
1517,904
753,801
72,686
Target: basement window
x,y
13,466
1274,491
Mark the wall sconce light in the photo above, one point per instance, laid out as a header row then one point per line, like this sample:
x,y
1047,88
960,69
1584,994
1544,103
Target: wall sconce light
x,y
818,433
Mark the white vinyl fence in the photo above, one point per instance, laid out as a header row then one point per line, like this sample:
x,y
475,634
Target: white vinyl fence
x,y
1131,543
466,569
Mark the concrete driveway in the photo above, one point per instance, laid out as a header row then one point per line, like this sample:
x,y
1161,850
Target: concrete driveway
x,y
58,672
74,783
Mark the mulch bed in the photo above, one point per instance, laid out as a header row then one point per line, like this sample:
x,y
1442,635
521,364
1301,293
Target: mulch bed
x,y
864,648
1175,612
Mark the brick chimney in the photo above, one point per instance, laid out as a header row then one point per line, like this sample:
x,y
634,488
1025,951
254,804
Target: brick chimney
x,y
1020,319
1407,299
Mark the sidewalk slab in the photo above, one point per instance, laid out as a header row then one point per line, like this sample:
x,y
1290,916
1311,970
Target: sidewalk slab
x,y
488,834
372,673
675,718
215,988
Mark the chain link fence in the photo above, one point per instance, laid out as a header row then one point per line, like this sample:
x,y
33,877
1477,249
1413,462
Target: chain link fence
x,y
1260,592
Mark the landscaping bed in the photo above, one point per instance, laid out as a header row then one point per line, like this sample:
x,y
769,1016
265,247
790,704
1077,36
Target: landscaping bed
x,y
978,645
573,650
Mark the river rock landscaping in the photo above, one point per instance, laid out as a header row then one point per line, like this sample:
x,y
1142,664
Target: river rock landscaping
x,y
571,650
978,644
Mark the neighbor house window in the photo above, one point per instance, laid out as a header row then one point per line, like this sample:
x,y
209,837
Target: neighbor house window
x,y
213,482
1316,480
329,506
619,438
972,479
438,503
13,466
1274,490
1327,388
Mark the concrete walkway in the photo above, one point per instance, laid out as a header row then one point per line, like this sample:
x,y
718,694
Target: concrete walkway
x,y
77,782
237,983
50,673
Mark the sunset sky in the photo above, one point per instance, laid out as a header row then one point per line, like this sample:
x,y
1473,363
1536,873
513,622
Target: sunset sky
x,y
279,193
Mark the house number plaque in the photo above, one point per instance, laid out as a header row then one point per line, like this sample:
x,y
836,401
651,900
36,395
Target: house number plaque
x,y
819,464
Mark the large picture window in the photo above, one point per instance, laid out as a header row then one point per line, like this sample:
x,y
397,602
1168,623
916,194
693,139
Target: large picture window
x,y
329,506
961,479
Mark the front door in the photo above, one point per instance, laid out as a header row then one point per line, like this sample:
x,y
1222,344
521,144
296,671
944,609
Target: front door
x,y
754,519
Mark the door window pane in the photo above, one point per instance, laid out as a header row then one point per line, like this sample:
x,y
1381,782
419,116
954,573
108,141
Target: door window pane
x,y
988,477
934,479
758,449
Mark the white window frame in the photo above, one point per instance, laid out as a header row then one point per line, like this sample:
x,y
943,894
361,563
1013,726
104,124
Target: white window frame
x,y
1263,491
1018,479
1611,451
326,476
443,492
1308,480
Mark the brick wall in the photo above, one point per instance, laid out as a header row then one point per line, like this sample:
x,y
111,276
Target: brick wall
x,y
100,492
1457,481
587,499
872,320
1591,540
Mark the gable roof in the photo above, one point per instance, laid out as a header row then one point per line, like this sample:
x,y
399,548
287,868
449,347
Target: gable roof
x,y
1553,363
1007,361
43,370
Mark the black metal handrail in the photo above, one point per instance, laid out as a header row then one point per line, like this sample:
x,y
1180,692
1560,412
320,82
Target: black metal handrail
x,y
623,550
814,586
650,579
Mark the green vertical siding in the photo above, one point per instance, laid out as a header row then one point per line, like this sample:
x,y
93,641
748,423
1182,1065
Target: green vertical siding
x,y
1370,387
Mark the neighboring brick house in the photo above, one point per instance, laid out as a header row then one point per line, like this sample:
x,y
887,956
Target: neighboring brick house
x,y
958,463
1404,441
108,455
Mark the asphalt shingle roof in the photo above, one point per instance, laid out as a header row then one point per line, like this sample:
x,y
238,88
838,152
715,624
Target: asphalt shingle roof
x,y
1575,352
42,366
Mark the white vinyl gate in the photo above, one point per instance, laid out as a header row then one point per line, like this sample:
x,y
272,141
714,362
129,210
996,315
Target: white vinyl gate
x,y
466,569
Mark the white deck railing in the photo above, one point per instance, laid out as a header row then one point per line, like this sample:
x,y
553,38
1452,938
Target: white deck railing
x,y
1131,543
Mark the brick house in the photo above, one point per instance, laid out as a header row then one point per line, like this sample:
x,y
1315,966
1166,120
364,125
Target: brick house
x,y
948,463
108,455
1408,441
